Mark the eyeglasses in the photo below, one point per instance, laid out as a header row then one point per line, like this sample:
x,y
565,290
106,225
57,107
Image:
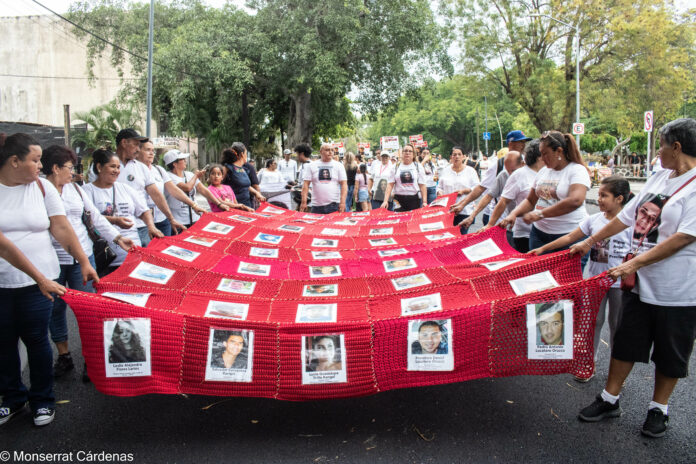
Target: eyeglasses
x,y
69,167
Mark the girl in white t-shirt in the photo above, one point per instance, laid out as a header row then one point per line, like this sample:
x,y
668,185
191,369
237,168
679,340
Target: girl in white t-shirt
x,y
614,193
407,181
556,202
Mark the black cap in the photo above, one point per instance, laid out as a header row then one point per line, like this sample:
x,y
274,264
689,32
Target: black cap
x,y
129,133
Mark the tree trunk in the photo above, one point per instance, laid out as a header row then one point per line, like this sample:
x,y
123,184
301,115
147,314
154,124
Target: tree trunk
x,y
300,119
245,119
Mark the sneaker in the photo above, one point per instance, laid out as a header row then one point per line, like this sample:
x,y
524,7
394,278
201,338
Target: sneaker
x,y
44,416
655,424
6,412
583,380
85,375
63,365
599,410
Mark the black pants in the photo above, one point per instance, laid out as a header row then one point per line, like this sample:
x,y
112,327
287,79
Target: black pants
x,y
408,202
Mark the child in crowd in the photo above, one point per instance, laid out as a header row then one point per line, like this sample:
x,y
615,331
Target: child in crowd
x,y
221,191
614,193
362,198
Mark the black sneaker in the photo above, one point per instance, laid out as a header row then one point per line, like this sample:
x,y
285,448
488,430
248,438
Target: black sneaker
x,y
63,365
655,424
44,416
85,375
6,412
599,410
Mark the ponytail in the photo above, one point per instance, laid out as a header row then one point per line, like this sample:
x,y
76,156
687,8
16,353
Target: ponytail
x,y
572,152
555,140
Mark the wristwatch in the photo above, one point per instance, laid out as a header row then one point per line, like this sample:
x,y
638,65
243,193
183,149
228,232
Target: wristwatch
x,y
117,238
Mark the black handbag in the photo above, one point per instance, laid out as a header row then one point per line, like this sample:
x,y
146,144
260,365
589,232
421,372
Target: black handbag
x,y
103,254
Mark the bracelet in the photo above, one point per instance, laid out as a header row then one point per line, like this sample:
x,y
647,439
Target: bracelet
x,y
117,238
589,242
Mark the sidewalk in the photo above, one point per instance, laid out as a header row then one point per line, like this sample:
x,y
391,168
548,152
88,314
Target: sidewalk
x,y
637,184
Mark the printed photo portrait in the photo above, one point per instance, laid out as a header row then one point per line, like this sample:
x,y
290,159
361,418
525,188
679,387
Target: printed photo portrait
x,y
336,232
227,310
217,228
349,221
429,345
599,253
273,210
268,238
291,228
376,242
482,250
241,287
326,255
387,222
432,226
442,201
304,221
436,237
181,253
324,271
324,243
240,218
324,175
263,252
495,265
410,281
392,252
648,220
320,290
421,304
254,269
151,273
432,215
533,283
323,359
127,347
382,231
550,330
202,241
401,264
136,299
230,355
316,312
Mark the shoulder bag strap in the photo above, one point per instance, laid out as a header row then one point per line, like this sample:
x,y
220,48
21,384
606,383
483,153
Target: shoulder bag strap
x,y
41,187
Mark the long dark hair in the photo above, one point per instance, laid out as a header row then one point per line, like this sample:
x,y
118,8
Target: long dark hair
x,y
232,154
15,145
618,185
100,157
555,139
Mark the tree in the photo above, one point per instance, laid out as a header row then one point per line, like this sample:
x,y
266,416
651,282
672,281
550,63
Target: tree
x,y
103,124
620,40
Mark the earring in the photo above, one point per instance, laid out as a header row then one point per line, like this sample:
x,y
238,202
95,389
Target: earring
x,y
559,158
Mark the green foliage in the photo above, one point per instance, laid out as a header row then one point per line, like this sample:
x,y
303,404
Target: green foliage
x,y
103,124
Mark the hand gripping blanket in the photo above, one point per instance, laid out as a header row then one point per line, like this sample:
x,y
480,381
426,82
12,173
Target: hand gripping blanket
x,y
297,306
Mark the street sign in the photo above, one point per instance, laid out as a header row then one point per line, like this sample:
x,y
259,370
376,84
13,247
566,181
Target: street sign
x,y
648,121
578,128
486,136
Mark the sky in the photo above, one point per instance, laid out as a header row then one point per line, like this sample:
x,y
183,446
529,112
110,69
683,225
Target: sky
x,y
28,7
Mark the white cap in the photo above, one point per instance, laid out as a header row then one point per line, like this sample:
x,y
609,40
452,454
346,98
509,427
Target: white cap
x,y
174,155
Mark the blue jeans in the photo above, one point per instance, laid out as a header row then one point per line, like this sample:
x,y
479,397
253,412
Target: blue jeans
x,y
432,194
24,314
325,209
376,204
165,227
459,218
71,277
144,236
538,238
349,197
486,218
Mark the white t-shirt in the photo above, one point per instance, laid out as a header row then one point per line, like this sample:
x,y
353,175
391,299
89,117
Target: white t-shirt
x,y
24,221
669,282
75,204
407,179
160,176
452,181
180,210
609,252
489,175
325,179
430,171
271,178
552,186
288,169
137,176
128,204
380,174
516,190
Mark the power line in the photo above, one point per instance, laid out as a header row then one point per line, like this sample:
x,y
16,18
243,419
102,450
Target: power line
x,y
70,77
118,47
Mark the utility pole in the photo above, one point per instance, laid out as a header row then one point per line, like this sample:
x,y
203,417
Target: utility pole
x,y
485,103
66,124
478,135
149,70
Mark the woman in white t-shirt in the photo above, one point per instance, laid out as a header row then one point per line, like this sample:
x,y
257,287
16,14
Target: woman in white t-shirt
x,y
659,315
32,211
164,184
430,169
58,165
119,203
516,191
407,181
556,203
459,178
272,182
614,193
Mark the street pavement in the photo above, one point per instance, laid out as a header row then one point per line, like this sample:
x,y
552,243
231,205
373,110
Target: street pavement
x,y
514,419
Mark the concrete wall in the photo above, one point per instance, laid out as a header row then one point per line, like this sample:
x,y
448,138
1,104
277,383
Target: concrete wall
x,y
45,46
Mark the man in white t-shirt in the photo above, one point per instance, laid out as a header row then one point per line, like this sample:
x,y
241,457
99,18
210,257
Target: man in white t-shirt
x,y
329,183
516,141
288,167
137,176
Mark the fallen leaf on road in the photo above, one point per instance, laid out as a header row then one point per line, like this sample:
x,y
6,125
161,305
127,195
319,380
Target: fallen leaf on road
x,y
204,408
63,402
572,386
554,414
310,435
510,402
431,438
254,421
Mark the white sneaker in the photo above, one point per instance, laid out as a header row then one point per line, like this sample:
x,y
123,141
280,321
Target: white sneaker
x,y
44,416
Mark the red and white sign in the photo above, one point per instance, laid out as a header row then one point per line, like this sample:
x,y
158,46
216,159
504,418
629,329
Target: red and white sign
x,y
648,121
389,142
365,145
578,128
414,139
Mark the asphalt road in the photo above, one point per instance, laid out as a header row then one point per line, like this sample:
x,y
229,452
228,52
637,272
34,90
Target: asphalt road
x,y
515,419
